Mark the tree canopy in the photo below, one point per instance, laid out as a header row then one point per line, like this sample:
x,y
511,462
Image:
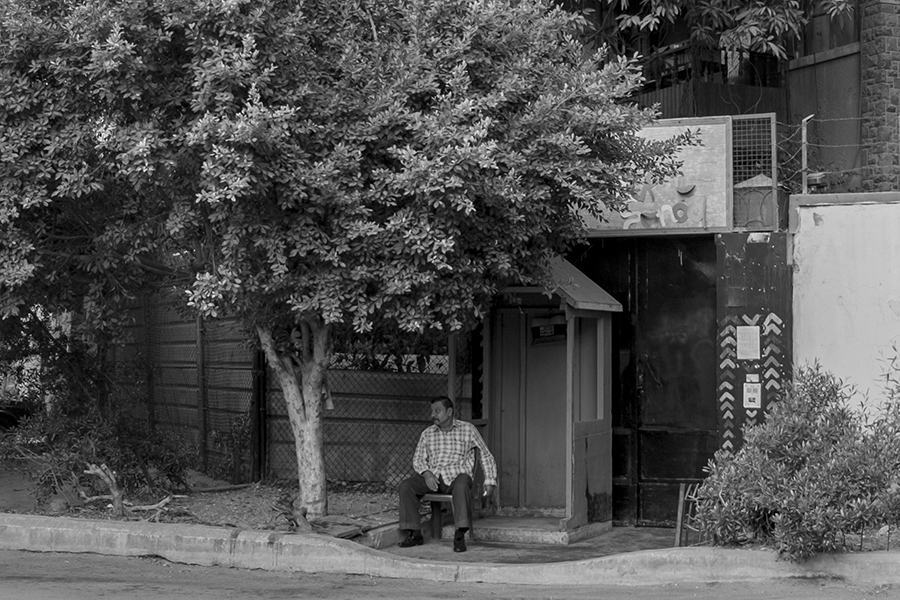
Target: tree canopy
x,y
301,163
762,26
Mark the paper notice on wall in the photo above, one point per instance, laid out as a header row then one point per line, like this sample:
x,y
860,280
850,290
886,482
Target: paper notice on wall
x,y
752,395
748,342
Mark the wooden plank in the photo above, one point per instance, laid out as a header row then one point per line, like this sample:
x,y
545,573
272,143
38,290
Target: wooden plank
x,y
218,353
416,385
379,408
229,400
176,332
181,353
230,378
229,330
166,397
381,434
185,376
173,416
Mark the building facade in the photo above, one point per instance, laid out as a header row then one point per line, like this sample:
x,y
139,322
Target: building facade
x,y
803,270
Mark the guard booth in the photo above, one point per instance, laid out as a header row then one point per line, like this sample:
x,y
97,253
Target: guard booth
x,y
547,392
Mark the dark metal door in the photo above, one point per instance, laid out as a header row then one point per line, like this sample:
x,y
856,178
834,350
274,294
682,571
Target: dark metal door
x,y
664,412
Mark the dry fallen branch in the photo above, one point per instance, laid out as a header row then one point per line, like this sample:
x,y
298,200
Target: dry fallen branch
x,y
296,517
224,488
159,507
118,501
156,506
109,478
86,499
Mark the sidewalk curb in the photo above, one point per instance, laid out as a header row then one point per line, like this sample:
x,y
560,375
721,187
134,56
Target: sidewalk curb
x,y
313,553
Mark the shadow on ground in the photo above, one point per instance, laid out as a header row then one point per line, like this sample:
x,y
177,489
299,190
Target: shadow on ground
x,y
615,541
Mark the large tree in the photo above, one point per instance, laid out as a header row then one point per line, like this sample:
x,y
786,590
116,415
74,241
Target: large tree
x,y
303,163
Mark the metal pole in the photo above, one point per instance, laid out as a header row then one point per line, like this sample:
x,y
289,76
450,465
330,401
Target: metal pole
x,y
258,418
151,363
803,157
202,432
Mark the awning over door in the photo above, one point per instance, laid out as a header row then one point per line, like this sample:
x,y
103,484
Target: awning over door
x,y
579,290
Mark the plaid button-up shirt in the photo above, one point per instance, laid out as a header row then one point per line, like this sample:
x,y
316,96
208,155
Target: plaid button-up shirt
x,y
450,454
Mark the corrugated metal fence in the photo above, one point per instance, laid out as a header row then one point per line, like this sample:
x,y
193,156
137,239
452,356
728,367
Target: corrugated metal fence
x,y
199,384
202,380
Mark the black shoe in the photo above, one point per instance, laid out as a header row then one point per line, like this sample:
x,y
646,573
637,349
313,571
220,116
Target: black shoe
x,y
413,539
459,543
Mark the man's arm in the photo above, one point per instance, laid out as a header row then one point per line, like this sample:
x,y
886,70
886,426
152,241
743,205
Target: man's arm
x,y
488,464
420,458
421,463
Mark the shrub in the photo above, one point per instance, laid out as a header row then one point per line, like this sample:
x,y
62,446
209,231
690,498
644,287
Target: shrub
x,y
814,472
234,444
56,447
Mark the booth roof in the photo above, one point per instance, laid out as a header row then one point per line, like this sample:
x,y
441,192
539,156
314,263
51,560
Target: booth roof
x,y
579,290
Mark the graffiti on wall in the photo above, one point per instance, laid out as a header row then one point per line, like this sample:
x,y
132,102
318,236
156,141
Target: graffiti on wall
x,y
699,199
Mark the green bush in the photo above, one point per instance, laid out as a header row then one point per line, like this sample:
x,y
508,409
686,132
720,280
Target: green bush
x,y
234,445
79,416
813,473
56,447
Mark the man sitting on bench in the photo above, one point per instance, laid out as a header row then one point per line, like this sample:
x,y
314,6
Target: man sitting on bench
x,y
444,463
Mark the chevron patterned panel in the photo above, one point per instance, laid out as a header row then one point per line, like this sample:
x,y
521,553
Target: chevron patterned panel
x,y
772,368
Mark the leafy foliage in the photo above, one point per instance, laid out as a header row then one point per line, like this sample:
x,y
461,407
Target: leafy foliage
x,y
55,448
234,443
385,348
816,471
762,26
44,362
71,426
317,158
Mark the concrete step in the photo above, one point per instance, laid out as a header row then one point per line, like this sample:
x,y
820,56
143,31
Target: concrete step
x,y
529,530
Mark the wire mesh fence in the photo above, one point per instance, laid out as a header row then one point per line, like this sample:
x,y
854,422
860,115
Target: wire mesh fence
x,y
379,412
757,204
202,381
753,147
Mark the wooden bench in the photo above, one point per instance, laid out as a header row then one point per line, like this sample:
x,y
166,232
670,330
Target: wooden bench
x,y
438,501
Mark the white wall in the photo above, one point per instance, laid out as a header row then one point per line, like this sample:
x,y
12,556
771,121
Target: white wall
x,y
846,285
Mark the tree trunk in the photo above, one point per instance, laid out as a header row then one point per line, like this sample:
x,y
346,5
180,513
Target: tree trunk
x,y
302,378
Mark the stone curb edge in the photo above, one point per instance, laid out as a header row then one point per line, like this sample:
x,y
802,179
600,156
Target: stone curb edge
x,y
313,553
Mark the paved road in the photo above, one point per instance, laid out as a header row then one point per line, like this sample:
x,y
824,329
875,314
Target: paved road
x,y
55,576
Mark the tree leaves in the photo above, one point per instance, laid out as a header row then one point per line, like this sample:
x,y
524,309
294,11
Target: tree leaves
x,y
341,159
765,26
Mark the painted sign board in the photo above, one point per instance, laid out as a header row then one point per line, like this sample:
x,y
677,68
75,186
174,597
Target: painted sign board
x,y
698,200
748,342
752,395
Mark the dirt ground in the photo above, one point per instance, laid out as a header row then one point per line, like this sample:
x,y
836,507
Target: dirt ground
x,y
353,508
260,506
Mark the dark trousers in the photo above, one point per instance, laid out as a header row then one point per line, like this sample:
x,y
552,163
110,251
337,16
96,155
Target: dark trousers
x,y
413,488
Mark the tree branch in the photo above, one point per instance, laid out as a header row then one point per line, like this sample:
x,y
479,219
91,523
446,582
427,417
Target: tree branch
x,y
109,478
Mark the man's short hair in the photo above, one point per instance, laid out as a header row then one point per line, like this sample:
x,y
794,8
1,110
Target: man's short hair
x,y
445,400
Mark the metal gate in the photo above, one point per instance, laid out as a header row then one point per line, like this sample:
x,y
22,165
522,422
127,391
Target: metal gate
x,y
664,368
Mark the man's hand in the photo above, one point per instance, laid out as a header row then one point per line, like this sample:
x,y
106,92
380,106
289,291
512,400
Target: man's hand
x,y
430,480
490,502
